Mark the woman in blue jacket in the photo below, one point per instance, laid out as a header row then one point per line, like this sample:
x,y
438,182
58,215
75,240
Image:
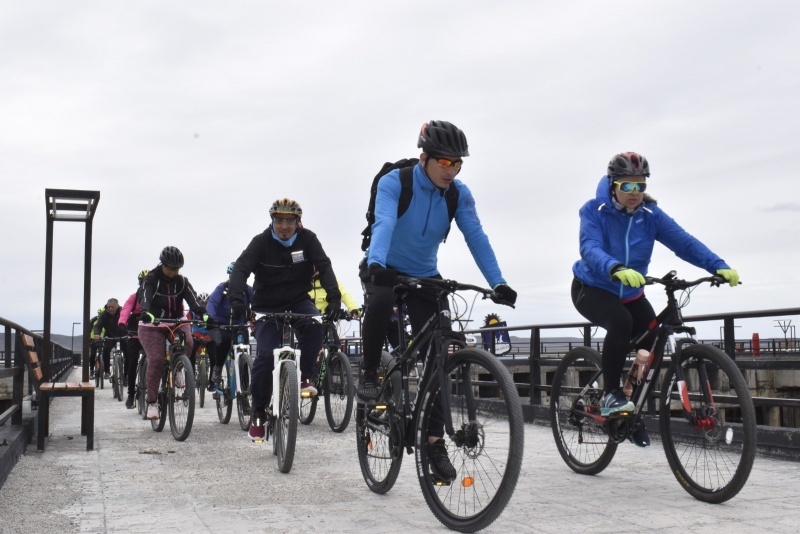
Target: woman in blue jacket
x,y
618,230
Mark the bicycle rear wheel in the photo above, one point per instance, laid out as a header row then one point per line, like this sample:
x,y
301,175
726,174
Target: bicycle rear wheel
x,y
181,399
244,399
118,377
378,433
222,395
710,449
339,391
308,406
286,424
577,388
201,380
486,447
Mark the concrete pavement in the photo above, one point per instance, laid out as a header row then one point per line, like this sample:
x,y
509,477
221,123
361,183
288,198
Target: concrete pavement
x,y
137,480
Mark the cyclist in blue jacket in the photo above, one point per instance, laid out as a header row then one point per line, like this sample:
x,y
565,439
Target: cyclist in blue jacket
x,y
219,308
619,228
408,245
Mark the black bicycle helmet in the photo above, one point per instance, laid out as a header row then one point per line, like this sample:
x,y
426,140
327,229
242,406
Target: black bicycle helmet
x,y
628,164
171,257
442,138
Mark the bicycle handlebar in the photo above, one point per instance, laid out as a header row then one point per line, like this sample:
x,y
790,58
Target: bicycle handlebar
x,y
157,321
670,282
450,286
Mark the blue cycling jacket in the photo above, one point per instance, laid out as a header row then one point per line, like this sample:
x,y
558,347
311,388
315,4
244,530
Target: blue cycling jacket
x,y
410,243
610,237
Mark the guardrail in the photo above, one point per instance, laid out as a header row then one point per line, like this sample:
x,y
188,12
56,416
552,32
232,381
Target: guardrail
x,y
14,368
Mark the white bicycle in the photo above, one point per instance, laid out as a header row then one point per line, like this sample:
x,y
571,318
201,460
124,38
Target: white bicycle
x,y
284,406
235,381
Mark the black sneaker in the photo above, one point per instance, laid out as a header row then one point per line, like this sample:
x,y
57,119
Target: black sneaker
x,y
369,386
441,467
640,437
129,401
216,374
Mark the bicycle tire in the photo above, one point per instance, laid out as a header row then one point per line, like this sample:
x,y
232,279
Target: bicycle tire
x,y
98,375
141,384
222,395
162,401
308,405
486,448
118,377
711,453
582,442
378,442
202,380
339,391
244,399
286,424
181,399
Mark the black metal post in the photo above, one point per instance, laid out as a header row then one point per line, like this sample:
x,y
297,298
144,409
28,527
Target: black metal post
x,y
730,337
47,350
87,293
535,366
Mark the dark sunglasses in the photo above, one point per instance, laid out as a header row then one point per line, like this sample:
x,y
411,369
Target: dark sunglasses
x,y
445,163
631,187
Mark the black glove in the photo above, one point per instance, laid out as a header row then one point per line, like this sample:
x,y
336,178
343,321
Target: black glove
x,y
504,295
239,309
209,320
334,311
382,276
200,312
147,317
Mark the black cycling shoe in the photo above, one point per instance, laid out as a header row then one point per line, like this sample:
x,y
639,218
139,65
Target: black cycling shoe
x,y
441,467
640,437
369,386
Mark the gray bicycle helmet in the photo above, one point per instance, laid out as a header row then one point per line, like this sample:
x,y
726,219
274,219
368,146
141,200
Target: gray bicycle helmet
x,y
171,257
442,138
628,164
287,206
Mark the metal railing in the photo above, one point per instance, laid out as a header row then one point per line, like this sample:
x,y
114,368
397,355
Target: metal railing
x,y
14,367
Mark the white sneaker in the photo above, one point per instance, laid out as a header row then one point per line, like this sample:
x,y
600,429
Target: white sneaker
x,y
152,411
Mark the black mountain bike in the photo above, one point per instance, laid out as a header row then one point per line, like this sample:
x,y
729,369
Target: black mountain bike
x,y
176,390
707,419
118,367
333,378
469,394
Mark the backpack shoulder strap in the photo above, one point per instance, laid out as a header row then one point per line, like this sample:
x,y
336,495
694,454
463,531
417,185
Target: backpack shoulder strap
x,y
406,191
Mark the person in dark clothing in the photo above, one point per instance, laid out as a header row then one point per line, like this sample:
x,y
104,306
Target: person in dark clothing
x,y
129,316
283,259
163,292
109,321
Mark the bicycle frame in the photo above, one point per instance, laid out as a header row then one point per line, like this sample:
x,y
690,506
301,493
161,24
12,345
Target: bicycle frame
x,y
238,350
439,338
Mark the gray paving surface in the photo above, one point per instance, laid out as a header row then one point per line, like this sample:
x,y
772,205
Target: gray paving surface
x,y
137,480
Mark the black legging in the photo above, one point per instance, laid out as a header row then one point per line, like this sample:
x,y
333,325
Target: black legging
x,y
621,321
133,360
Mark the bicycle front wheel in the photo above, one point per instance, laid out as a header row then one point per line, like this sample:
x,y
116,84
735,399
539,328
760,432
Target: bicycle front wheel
x,y
339,391
222,395
158,424
286,424
485,449
711,446
181,398
244,398
575,396
141,387
202,380
118,381
379,438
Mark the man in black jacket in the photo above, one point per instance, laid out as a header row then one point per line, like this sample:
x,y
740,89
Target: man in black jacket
x,y
283,259
109,321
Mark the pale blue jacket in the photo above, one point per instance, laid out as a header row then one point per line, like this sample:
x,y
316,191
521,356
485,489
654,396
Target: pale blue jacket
x,y
410,244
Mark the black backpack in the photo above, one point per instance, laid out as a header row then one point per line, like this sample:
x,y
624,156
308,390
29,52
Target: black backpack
x,y
406,167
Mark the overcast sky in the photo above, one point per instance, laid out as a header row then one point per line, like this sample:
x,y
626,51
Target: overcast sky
x,y
192,117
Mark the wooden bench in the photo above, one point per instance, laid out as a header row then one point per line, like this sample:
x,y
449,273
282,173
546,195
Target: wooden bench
x,y
46,390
